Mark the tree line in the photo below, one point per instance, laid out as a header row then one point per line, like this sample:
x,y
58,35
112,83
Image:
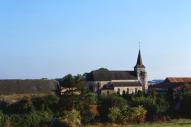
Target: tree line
x,y
86,107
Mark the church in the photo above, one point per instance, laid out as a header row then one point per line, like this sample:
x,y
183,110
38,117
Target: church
x,y
104,81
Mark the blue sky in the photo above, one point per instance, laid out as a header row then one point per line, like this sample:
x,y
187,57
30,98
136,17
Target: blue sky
x,y
46,38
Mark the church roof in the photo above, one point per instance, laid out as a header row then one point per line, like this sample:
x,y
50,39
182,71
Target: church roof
x,y
28,86
139,61
127,84
106,75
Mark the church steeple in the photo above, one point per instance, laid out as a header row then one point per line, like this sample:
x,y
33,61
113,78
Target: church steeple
x,y
141,72
139,61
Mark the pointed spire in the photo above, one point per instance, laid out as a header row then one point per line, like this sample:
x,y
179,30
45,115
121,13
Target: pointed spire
x,y
139,61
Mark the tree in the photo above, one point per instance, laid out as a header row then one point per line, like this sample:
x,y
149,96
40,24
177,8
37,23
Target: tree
x,y
107,102
73,83
114,114
71,118
68,81
156,105
79,82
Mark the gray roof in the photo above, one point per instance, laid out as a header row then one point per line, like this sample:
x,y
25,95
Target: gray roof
x,y
126,84
28,86
106,75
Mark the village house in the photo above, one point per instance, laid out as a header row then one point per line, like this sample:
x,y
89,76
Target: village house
x,y
104,81
175,84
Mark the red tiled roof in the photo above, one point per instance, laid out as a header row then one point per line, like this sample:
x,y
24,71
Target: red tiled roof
x,y
179,79
171,82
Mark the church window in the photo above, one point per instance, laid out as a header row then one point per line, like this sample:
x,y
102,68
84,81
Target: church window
x,y
118,91
136,90
127,90
123,92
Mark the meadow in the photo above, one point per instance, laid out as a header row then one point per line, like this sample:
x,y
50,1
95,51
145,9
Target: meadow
x,y
172,123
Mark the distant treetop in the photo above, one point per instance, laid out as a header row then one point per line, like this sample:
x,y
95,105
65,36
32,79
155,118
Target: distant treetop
x,y
103,69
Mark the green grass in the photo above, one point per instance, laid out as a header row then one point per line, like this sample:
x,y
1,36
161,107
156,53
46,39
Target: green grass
x,y
173,123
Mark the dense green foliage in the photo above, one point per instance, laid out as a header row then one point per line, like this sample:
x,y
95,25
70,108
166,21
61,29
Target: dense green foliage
x,y
114,114
71,118
156,105
32,119
76,105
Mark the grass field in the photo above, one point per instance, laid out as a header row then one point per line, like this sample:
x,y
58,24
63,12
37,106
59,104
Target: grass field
x,y
173,123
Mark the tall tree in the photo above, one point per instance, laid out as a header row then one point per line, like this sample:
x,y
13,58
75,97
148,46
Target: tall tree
x,y
73,83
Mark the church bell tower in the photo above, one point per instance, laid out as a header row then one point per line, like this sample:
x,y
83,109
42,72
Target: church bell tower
x,y
141,72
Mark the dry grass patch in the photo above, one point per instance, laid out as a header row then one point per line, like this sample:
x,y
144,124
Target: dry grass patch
x,y
16,97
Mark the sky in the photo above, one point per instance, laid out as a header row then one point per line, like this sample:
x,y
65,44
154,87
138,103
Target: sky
x,y
52,38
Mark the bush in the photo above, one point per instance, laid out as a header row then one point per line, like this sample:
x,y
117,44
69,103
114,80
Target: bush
x,y
107,102
3,119
162,106
114,114
88,117
71,118
67,102
46,103
184,108
17,120
133,115
4,106
38,119
127,114
139,114
33,119
91,98
155,105
21,107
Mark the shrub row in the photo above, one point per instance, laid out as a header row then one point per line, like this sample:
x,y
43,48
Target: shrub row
x,y
33,119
